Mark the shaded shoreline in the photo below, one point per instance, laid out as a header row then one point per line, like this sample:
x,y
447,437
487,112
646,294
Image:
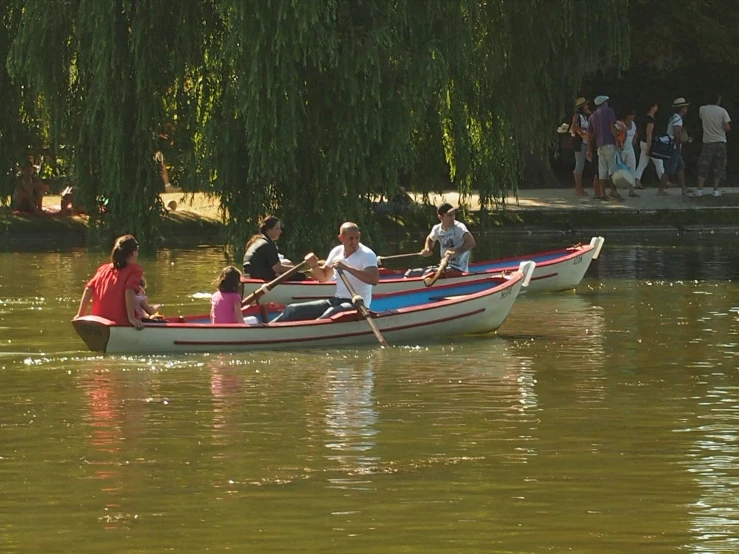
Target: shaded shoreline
x,y
196,221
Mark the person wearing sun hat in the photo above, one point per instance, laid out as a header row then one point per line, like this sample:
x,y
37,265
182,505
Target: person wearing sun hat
x,y
675,164
455,239
602,134
579,130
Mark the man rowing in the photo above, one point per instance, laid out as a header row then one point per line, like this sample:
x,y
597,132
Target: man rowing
x,y
454,238
359,264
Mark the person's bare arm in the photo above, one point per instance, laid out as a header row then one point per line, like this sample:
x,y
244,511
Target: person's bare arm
x,y
84,302
321,272
237,313
614,130
369,275
428,246
575,128
591,142
279,268
677,133
130,309
147,308
468,244
650,131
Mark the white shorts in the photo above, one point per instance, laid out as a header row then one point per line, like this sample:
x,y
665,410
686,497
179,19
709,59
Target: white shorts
x,y
606,161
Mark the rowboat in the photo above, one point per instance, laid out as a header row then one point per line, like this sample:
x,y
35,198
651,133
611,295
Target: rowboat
x,y
556,270
405,317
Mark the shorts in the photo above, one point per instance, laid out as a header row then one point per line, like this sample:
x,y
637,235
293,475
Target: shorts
x,y
606,161
580,159
675,163
713,154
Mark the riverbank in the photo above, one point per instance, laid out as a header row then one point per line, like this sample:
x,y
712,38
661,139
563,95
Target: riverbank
x,y
195,218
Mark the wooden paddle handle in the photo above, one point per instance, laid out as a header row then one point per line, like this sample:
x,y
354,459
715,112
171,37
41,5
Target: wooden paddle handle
x,y
358,302
382,259
428,281
265,288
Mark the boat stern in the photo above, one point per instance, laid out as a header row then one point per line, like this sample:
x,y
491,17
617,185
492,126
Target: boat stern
x,y
95,331
597,242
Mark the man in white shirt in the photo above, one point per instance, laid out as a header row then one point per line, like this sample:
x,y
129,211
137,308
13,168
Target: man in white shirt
x,y
716,122
455,239
359,265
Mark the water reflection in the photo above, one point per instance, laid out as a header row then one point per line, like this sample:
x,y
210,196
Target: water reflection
x,y
569,334
351,417
116,421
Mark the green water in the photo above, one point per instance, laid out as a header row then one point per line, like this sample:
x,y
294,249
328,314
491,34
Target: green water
x,y
598,421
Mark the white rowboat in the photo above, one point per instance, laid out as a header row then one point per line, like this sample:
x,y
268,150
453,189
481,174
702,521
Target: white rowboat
x,y
405,317
556,270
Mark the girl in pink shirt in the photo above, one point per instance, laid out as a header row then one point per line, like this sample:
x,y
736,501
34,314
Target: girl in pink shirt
x,y
226,302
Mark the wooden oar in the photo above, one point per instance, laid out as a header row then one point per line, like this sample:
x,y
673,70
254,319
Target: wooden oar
x,y
382,259
428,281
361,308
265,288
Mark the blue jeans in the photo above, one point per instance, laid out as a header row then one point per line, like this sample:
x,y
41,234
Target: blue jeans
x,y
318,309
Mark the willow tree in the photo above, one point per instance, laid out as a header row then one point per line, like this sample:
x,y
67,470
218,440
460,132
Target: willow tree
x,y
321,106
309,110
102,71
20,126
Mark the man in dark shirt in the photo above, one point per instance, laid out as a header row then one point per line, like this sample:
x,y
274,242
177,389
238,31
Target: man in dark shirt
x,y
602,136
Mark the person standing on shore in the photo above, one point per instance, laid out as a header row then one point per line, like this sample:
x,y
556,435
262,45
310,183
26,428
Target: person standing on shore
x,y
646,129
579,130
628,135
602,137
716,122
676,164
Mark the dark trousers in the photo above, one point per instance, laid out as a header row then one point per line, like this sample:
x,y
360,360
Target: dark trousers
x,y
318,309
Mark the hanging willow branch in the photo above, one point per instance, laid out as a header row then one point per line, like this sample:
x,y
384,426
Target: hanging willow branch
x,y
309,110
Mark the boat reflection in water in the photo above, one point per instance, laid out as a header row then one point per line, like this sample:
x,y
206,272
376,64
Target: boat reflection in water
x,y
351,418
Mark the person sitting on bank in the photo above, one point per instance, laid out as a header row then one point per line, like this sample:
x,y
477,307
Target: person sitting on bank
x,y
29,195
261,260
113,288
455,239
359,265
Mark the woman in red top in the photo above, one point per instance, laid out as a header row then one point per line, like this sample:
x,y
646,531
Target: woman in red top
x,y
113,288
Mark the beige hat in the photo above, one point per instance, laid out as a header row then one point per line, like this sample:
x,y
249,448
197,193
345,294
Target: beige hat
x,y
580,102
680,102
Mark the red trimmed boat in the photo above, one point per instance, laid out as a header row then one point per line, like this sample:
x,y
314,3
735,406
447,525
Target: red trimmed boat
x,y
556,270
405,317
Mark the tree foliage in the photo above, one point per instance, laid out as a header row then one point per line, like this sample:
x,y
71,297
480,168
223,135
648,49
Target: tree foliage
x,y
310,110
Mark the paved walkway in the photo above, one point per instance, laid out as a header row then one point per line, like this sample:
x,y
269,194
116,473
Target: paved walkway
x,y
566,200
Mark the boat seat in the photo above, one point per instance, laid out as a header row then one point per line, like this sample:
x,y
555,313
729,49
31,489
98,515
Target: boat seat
x,y
346,317
440,298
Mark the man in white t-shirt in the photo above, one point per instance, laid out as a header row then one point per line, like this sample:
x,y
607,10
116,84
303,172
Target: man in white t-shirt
x,y
359,265
455,240
716,122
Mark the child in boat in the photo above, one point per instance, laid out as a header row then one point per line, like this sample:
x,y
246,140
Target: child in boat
x,y
142,309
226,302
